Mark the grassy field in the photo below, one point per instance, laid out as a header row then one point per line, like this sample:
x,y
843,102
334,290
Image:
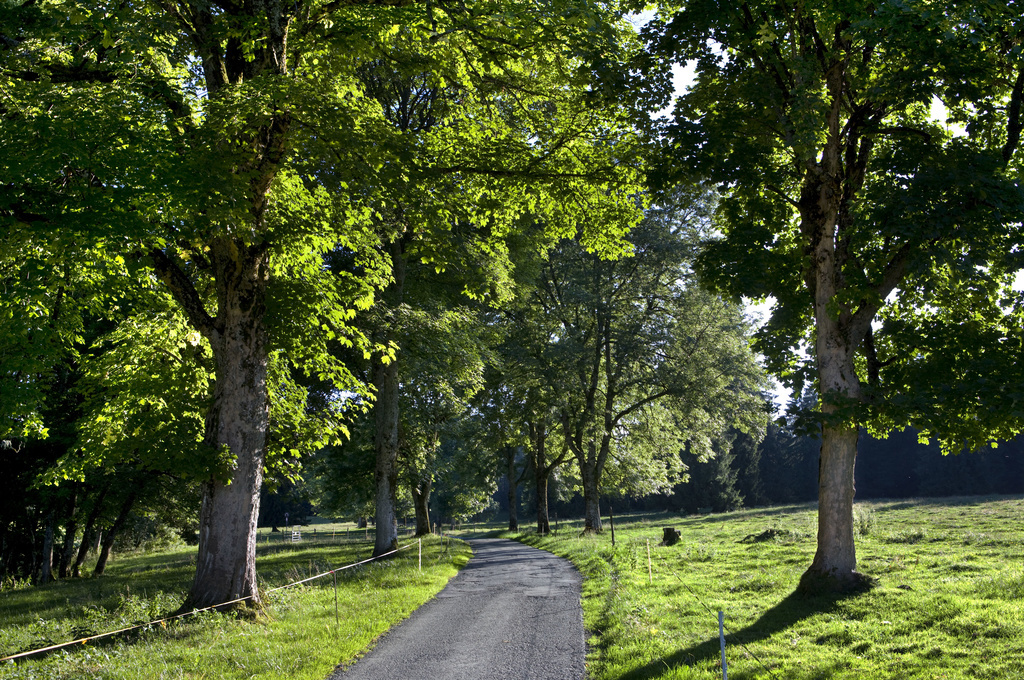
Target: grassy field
x,y
299,637
948,603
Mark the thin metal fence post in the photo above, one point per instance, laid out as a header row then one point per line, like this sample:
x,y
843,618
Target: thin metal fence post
x,y
721,637
420,542
337,617
611,520
650,571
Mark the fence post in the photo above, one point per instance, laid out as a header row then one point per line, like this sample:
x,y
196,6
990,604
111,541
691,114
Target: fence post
x,y
721,637
611,520
650,571
337,618
420,543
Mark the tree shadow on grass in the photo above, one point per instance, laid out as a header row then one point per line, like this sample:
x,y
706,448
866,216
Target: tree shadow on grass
x,y
789,611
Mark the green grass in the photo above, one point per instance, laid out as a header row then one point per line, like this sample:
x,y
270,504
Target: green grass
x,y
298,638
948,603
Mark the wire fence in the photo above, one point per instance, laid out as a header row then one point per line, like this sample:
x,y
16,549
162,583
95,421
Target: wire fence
x,y
720,617
165,620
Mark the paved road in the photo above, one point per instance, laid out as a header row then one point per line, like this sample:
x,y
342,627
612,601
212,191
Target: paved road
x,y
512,613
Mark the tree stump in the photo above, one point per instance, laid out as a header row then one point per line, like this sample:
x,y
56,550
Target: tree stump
x,y
670,536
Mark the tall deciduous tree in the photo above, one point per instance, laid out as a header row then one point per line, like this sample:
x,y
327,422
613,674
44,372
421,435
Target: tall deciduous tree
x,y
221,149
525,133
641,359
878,228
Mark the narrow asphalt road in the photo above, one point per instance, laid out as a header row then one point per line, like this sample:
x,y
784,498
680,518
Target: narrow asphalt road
x,y
512,613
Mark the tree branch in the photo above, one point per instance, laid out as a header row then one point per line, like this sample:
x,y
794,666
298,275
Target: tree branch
x,y
640,404
183,291
900,130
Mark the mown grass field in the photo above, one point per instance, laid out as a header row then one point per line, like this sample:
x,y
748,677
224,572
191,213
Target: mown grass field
x,y
299,637
949,601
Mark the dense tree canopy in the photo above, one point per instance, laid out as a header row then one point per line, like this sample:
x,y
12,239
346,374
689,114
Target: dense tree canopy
x,y
219,151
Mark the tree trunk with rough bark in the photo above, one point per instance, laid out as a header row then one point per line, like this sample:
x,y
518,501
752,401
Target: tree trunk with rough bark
x,y
513,486
385,412
835,560
236,427
421,503
541,473
46,559
839,332
541,481
89,533
70,531
386,416
591,499
111,533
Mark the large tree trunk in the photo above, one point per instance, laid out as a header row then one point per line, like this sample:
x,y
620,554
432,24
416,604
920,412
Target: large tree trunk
x,y
835,561
513,485
386,415
110,534
421,502
541,481
541,472
236,426
70,531
839,332
46,561
385,412
591,498
89,533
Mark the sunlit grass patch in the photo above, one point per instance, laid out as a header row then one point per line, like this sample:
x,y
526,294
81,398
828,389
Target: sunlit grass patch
x,y
302,634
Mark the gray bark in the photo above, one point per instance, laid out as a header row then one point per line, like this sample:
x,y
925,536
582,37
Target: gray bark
x,y
70,531
541,473
839,332
541,481
386,415
110,534
46,560
236,426
513,486
591,499
385,412
89,533
421,502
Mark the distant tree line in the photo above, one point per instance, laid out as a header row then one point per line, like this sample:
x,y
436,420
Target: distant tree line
x,y
782,468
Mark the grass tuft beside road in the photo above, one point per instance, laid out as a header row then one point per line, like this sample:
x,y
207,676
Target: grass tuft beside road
x,y
948,603
298,639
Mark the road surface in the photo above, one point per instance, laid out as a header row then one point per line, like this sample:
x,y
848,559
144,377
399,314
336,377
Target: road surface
x,y
512,613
